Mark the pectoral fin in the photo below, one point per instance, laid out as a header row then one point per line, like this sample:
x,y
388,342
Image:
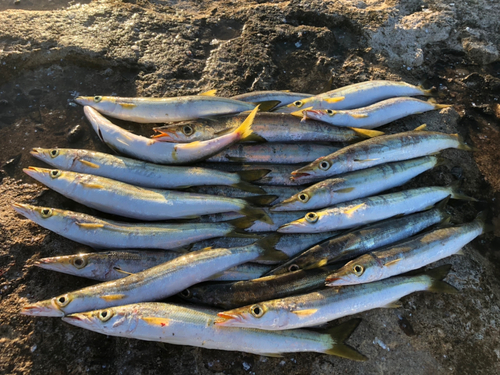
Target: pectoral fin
x,y
334,100
302,313
346,190
208,93
162,322
364,160
358,115
113,297
420,128
88,163
92,186
127,105
118,269
392,262
90,225
352,210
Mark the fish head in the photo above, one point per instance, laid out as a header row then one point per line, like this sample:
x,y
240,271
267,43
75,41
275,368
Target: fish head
x,y
319,114
111,321
261,314
362,270
310,198
48,176
57,157
185,132
79,264
34,213
53,307
101,103
311,223
319,169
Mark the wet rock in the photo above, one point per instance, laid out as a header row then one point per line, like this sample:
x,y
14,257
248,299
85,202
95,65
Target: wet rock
x,y
480,52
75,134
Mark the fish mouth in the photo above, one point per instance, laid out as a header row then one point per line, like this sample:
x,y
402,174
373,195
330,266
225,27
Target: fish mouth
x,y
83,100
284,228
32,171
20,208
35,152
40,310
227,319
330,281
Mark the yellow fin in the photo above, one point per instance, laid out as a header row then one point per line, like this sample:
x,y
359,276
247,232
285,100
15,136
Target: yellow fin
x,y
346,190
113,297
392,262
321,263
366,133
334,100
208,93
122,142
90,225
358,115
118,269
350,211
420,128
127,105
88,163
91,186
245,129
305,312
442,106
162,322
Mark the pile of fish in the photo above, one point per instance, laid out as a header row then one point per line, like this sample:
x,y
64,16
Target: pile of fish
x,y
331,245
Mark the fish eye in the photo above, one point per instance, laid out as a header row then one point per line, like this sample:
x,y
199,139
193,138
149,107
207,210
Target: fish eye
x,y
312,217
54,153
330,112
303,197
105,315
358,269
257,311
79,262
187,130
46,212
298,104
186,293
62,301
55,173
97,99
324,165
293,267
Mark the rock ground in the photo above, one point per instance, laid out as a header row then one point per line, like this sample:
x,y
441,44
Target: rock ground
x,y
50,54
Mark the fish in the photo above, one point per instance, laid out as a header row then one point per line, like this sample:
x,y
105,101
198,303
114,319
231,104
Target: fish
x,y
380,150
282,96
155,283
367,210
117,264
241,293
109,195
194,326
328,304
358,184
144,174
350,245
357,95
110,234
142,148
266,127
153,110
276,153
373,116
406,256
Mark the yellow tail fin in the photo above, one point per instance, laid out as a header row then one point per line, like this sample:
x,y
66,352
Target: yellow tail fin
x,y
245,129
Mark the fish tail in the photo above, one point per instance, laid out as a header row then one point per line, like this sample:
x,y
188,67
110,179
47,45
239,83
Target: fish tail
x,y
437,284
338,335
247,186
440,160
243,222
256,213
481,218
430,92
245,129
253,174
367,133
442,106
269,252
261,200
462,145
456,194
445,216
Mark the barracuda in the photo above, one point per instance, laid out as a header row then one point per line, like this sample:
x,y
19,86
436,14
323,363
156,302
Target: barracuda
x,y
180,325
241,293
277,153
143,148
153,110
355,96
109,195
144,174
412,254
319,307
379,150
359,241
157,282
112,265
367,210
266,127
373,116
357,184
109,234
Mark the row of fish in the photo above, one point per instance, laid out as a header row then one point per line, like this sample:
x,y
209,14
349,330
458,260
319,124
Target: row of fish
x,y
265,303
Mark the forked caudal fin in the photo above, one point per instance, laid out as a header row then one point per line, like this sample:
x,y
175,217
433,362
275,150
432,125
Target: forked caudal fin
x,y
267,244
438,285
338,335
